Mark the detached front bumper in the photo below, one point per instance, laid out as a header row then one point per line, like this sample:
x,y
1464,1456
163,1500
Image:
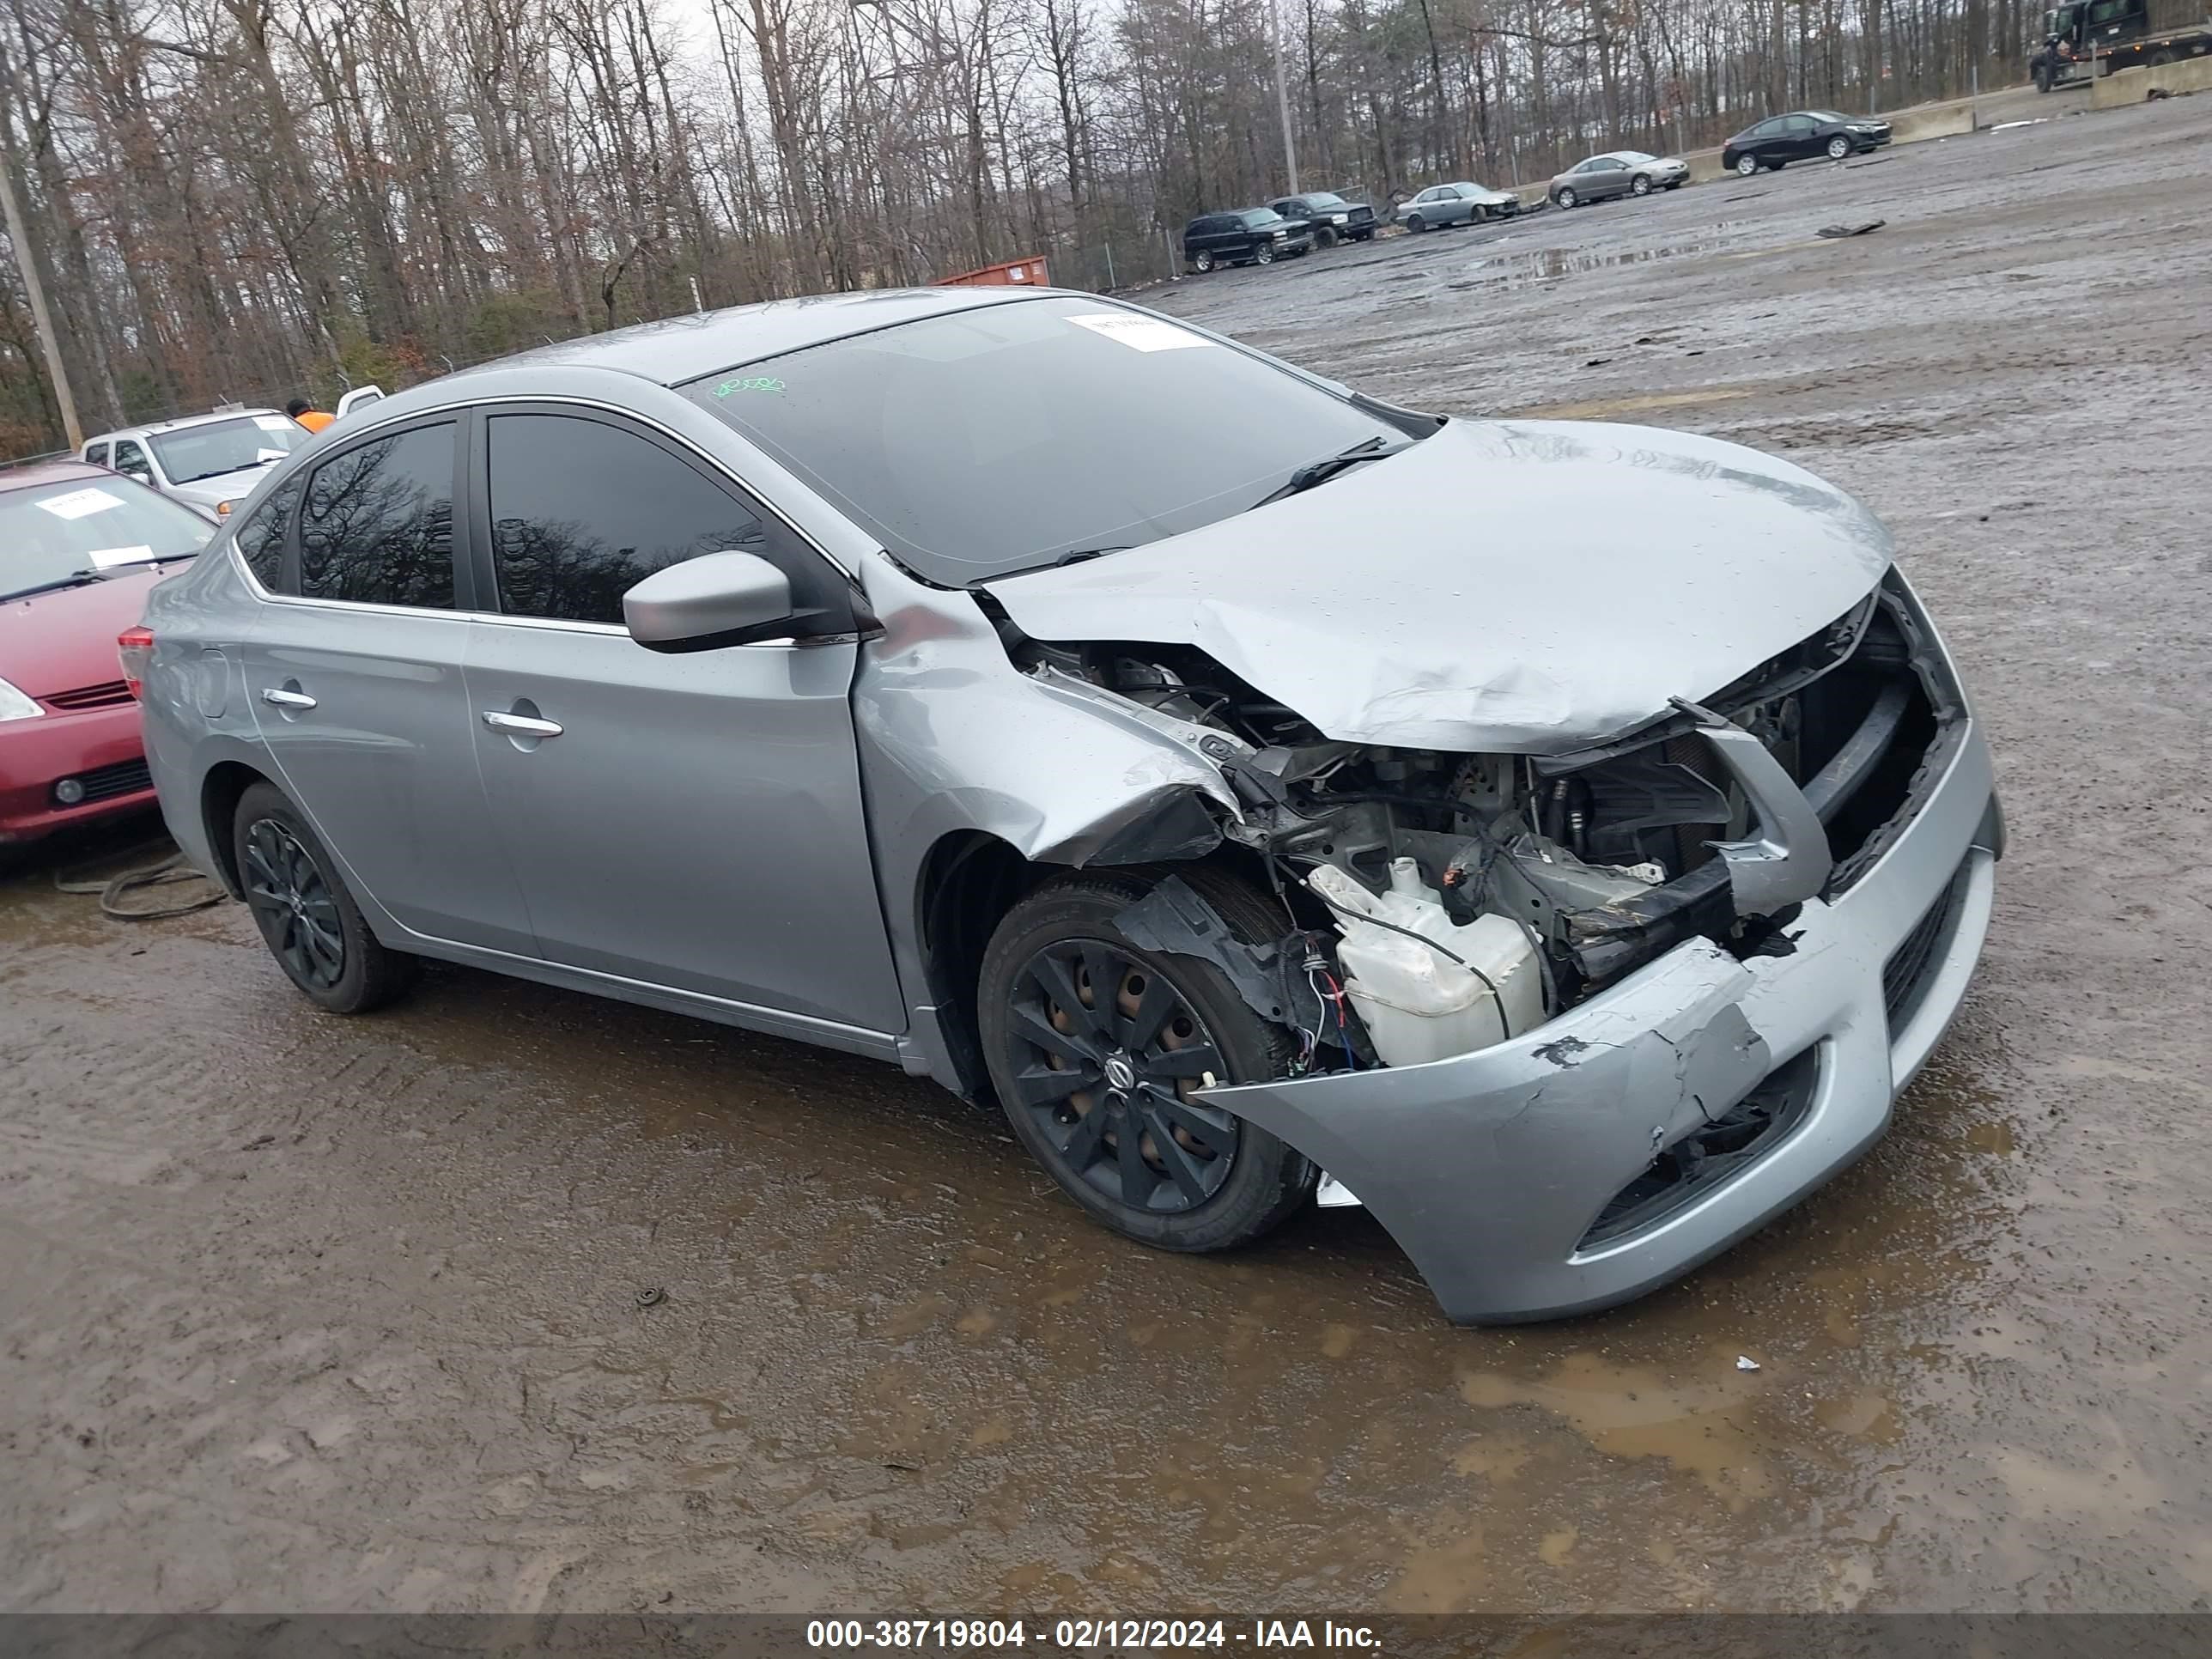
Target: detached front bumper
x,y
1502,1173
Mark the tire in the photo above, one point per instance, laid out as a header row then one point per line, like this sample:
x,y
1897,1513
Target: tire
x,y
1417,224
2042,78
1325,237
1567,199
1641,187
1838,148
1201,262
308,918
1232,1188
1263,256
1747,167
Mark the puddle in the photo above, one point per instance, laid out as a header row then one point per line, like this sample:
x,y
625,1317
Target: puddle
x,y
1533,266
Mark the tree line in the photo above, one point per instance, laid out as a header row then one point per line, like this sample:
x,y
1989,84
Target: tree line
x,y
245,199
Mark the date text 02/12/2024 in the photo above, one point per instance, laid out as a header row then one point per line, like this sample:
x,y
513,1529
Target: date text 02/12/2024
x,y
1084,1634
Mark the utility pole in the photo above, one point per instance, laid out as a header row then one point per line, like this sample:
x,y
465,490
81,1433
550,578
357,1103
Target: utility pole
x,y
47,343
1283,98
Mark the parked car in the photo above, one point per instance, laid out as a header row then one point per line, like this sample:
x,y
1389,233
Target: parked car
x,y
210,462
79,548
1460,203
1618,172
1249,236
1015,685
1799,136
1333,218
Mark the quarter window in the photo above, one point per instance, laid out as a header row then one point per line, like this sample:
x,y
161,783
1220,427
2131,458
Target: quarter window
x,y
378,528
261,538
581,512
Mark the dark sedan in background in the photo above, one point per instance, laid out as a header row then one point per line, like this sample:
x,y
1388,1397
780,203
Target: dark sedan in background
x,y
1249,236
1800,136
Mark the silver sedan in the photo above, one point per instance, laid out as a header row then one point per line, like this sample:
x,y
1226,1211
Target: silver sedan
x,y
1618,172
799,667
1460,203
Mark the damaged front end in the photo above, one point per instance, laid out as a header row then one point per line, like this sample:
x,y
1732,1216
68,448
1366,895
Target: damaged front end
x,y
1527,988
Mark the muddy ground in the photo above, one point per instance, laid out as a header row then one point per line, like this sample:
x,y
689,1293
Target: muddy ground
x,y
300,1312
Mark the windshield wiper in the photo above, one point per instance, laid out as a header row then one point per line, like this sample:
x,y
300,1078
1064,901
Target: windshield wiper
x,y
1321,471
75,579
1077,556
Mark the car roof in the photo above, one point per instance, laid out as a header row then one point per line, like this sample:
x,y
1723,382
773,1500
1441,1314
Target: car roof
x,y
34,473
154,429
678,349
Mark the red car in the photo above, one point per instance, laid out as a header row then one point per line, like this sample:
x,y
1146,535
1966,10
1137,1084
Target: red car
x,y
79,547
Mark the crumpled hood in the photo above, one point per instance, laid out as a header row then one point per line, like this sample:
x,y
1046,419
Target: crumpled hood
x,y
1513,586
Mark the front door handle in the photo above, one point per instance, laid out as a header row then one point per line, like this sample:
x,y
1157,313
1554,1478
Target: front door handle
x,y
283,699
520,726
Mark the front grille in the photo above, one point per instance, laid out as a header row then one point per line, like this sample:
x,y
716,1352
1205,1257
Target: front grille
x,y
123,778
90,696
1905,975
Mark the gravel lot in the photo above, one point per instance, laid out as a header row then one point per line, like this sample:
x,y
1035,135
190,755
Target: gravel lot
x,y
297,1312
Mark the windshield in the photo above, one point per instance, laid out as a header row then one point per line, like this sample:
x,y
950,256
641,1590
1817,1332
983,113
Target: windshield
x,y
1633,157
1827,115
1327,199
193,452
1009,436
52,532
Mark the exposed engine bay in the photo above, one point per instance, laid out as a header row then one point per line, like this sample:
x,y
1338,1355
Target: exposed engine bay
x,y
1437,903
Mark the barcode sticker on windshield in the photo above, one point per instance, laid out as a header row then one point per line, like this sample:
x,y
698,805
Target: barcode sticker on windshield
x,y
275,423
1139,333
79,502
104,558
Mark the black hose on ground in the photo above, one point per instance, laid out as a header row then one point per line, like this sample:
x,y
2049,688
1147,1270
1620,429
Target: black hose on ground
x,y
112,890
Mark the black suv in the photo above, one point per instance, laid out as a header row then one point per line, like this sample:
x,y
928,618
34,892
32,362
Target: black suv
x,y
1249,236
1334,219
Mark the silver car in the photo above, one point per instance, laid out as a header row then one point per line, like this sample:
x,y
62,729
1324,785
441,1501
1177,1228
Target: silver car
x,y
1107,720
1461,203
1618,172
210,462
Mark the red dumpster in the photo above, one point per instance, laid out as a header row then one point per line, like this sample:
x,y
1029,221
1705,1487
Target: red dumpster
x,y
1027,270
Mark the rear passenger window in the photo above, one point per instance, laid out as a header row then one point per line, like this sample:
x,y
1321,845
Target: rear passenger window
x,y
378,528
261,538
581,512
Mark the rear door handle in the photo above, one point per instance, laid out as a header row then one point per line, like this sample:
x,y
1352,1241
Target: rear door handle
x,y
520,726
284,699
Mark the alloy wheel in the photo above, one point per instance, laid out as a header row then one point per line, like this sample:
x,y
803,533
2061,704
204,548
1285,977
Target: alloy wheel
x,y
1642,186
1566,199
294,904
1105,1054
1838,148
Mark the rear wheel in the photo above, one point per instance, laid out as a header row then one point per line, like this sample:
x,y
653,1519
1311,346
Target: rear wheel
x,y
306,917
1202,262
1838,148
1096,1049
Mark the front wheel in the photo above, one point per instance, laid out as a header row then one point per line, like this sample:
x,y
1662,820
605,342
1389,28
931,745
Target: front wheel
x,y
1417,224
1642,186
1325,237
1263,256
1838,148
1096,1049
306,917
1746,166
1567,198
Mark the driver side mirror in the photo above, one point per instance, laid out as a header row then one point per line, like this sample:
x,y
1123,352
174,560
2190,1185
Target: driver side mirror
x,y
714,600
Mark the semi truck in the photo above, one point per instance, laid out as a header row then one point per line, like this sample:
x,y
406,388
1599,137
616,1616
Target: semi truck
x,y
2084,39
